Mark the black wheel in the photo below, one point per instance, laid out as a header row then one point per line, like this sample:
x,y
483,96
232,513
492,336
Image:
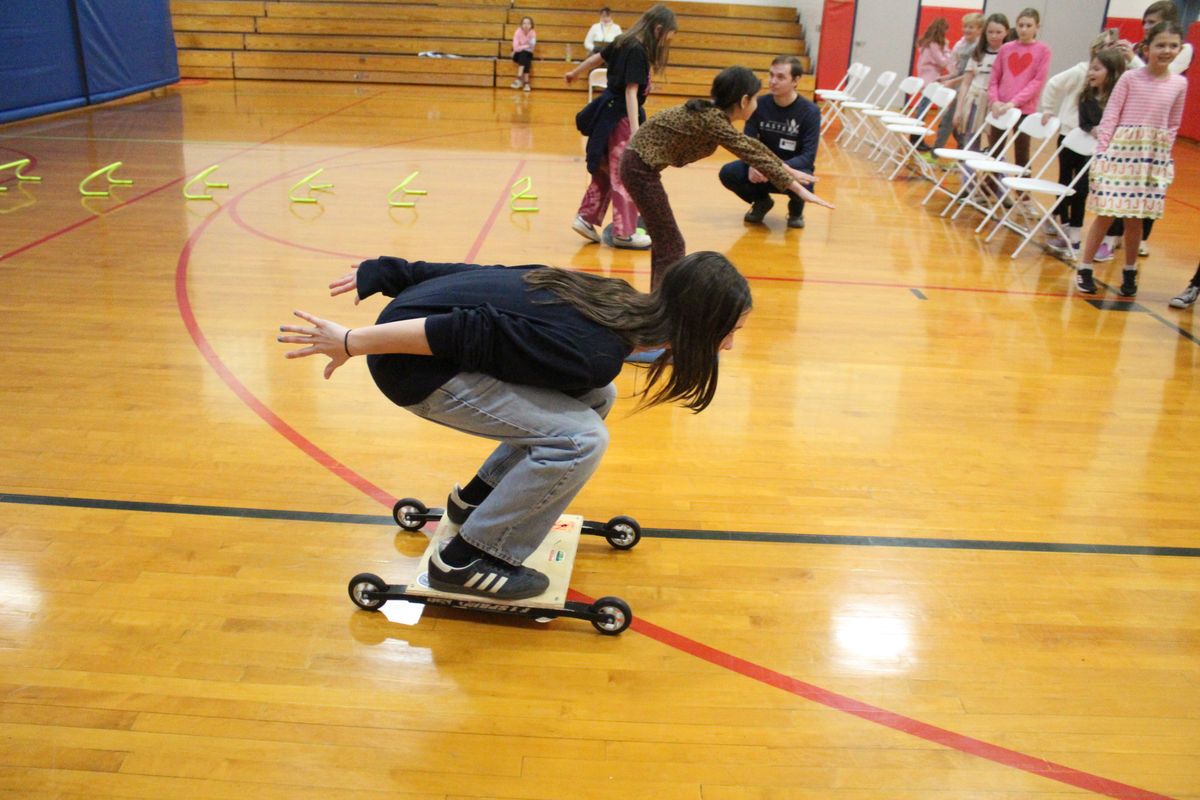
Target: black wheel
x,y
615,615
406,506
623,532
366,582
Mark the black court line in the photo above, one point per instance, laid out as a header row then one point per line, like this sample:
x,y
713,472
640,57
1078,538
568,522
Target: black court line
x,y
1130,305
1174,326
1116,305
659,533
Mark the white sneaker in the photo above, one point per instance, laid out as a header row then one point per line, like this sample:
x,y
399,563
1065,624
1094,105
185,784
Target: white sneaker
x,y
637,241
1143,250
585,229
1186,298
516,85
527,87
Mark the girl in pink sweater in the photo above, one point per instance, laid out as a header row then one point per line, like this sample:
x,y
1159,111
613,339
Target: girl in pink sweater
x,y
524,40
1018,76
1133,164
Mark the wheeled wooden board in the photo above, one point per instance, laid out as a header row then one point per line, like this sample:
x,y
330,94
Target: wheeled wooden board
x,y
555,558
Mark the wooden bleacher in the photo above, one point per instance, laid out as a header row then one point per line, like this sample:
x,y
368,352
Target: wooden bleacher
x,y
378,41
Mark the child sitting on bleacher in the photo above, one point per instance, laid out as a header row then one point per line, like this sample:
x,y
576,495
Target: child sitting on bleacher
x,y
524,40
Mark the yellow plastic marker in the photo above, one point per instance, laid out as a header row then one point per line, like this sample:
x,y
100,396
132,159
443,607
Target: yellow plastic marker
x,y
524,193
207,184
106,172
404,185
20,165
316,187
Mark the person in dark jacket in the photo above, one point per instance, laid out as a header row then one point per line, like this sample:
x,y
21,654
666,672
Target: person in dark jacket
x,y
526,356
790,126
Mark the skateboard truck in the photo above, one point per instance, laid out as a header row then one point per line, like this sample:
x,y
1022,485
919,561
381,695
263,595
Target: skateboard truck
x,y
623,533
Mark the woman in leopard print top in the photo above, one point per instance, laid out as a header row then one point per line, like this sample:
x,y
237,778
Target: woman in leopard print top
x,y
683,134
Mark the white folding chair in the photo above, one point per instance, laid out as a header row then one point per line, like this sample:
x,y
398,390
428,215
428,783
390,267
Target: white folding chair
x,y
842,86
833,100
973,149
597,78
996,168
907,135
873,99
1077,141
872,133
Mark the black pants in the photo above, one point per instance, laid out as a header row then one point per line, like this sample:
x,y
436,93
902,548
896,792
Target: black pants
x,y
525,59
1070,209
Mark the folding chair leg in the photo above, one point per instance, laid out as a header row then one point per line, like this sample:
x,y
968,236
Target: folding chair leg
x,y
968,181
912,148
936,186
1048,215
1000,223
992,211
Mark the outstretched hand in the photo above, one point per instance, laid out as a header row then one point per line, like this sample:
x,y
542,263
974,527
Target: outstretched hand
x,y
322,338
346,283
809,197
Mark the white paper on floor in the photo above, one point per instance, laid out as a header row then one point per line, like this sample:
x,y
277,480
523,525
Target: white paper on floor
x,y
402,611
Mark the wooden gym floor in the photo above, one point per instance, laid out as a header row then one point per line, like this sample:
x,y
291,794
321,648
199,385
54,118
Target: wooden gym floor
x,y
936,538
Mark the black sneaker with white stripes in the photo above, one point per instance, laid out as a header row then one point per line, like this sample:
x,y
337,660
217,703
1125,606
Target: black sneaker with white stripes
x,y
458,510
486,577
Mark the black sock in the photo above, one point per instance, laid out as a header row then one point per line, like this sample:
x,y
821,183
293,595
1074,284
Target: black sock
x,y
458,552
475,492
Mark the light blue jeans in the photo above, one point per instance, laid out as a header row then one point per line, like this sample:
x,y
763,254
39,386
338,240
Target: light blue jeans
x,y
550,445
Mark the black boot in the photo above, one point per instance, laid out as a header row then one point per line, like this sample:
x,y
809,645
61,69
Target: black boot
x,y
795,214
759,210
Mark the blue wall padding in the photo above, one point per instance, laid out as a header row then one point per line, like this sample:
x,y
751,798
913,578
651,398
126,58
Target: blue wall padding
x,y
57,54
40,70
128,46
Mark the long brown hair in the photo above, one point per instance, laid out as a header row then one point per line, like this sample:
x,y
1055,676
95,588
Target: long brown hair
x,y
650,31
936,32
981,48
699,302
1114,63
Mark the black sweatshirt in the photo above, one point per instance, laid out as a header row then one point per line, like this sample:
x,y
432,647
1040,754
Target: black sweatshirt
x,y
791,132
485,319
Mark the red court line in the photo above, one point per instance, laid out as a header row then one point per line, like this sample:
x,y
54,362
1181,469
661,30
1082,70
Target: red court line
x,y
491,220
74,226
889,719
245,395
931,733
82,222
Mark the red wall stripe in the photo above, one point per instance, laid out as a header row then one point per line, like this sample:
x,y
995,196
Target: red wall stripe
x,y
837,34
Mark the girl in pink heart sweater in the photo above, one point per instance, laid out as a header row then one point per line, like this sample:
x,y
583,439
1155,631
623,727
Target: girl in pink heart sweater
x,y
1018,76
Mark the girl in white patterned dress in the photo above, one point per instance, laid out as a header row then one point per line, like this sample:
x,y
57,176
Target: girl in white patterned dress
x,y
1133,165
